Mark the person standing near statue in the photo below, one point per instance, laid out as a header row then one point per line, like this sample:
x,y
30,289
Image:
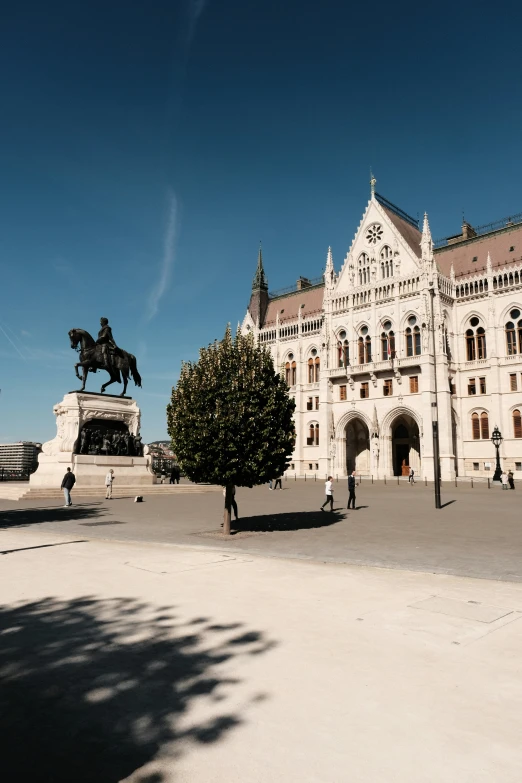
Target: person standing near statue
x,y
68,482
109,478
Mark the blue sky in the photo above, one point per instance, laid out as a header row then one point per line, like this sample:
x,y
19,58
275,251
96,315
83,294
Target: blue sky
x,y
147,148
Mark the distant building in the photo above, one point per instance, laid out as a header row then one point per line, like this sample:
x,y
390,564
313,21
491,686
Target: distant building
x,y
406,321
22,456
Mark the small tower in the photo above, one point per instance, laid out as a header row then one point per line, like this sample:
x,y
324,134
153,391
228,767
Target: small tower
x,y
426,240
259,298
329,272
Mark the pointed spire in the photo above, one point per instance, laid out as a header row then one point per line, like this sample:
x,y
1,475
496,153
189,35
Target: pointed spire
x,y
329,271
260,281
452,273
489,265
426,240
373,183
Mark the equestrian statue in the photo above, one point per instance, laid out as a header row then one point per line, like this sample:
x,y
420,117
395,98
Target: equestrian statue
x,y
103,354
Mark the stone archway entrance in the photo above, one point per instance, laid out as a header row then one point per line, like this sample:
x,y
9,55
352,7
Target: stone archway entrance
x,y
405,446
357,447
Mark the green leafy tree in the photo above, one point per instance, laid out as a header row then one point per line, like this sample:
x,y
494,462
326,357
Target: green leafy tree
x,y
230,417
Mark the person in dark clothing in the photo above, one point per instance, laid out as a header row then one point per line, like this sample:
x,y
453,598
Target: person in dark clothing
x,y
174,475
351,490
68,483
278,481
511,480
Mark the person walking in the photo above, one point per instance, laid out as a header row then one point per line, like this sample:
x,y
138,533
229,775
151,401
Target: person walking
x,y
411,474
511,480
504,480
175,474
109,478
68,482
270,484
328,488
351,490
278,481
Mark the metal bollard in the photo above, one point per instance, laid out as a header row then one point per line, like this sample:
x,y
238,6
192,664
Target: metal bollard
x,y
425,481
489,487
372,478
295,476
315,476
385,481
397,481
471,482
305,475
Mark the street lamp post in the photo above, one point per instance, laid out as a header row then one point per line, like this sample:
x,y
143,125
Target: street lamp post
x,y
435,410
496,439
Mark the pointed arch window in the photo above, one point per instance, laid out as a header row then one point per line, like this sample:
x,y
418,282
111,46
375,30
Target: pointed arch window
x,y
475,426
313,435
364,346
484,426
343,350
291,373
364,268
514,334
313,369
386,261
475,340
517,424
387,341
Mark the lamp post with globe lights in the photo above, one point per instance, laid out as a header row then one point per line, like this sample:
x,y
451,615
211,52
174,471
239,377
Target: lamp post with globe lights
x,y
496,439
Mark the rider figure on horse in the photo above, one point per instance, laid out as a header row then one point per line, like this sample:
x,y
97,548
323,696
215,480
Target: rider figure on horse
x,y
107,343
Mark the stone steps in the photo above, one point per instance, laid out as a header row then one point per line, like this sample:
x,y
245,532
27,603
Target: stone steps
x,y
30,493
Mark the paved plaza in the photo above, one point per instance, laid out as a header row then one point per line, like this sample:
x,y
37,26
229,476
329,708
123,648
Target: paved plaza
x,y
478,533
157,663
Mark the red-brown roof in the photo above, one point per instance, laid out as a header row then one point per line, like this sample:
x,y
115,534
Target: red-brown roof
x,y
409,233
498,244
311,298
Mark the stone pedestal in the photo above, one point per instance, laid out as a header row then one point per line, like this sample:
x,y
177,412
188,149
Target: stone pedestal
x,y
72,413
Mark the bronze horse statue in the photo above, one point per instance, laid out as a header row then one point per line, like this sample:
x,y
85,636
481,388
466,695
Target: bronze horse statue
x,y
92,359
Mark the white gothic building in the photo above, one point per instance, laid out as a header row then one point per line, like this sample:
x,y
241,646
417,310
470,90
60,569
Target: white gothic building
x,y
365,359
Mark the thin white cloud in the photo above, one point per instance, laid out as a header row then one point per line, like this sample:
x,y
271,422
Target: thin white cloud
x,y
25,334
169,245
17,349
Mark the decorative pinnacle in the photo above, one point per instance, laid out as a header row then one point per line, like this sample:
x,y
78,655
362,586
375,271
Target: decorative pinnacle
x,y
260,282
489,265
373,183
426,241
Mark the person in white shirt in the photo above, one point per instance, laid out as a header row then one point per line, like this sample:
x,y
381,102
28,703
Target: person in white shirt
x,y
328,487
109,478
504,479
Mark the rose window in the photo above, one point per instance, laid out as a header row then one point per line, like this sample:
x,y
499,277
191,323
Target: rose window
x,y
374,234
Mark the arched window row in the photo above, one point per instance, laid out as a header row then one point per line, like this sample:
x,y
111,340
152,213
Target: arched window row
x,y
473,287
313,435
480,426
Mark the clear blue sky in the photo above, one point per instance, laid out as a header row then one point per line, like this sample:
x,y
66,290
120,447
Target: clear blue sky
x,y
146,148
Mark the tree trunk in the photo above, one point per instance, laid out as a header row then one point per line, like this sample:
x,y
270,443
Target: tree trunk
x,y
228,507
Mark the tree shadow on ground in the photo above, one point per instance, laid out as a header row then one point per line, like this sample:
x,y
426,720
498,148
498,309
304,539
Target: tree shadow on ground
x,y
21,517
294,520
92,690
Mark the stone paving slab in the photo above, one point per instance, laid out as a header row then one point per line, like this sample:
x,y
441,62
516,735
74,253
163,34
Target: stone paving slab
x,y
478,533
198,667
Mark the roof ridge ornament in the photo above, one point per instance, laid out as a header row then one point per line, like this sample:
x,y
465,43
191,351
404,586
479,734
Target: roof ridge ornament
x,y
373,183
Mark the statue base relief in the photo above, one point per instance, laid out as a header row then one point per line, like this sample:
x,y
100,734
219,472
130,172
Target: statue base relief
x,y
95,432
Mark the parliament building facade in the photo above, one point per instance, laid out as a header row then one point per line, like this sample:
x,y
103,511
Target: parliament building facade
x,y
407,331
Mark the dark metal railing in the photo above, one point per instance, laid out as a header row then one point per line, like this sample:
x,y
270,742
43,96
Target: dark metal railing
x,y
292,289
487,228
